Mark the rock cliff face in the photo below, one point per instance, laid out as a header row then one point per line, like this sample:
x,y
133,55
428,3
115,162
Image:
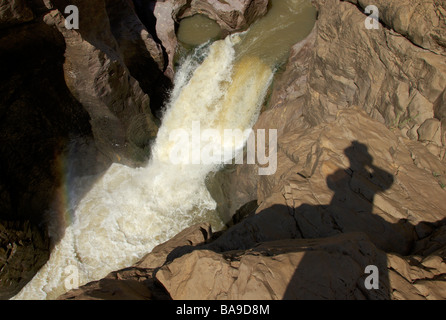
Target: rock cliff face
x,y
96,73
360,180
38,115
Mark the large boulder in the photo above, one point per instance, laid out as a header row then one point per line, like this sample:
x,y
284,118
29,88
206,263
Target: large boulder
x,y
331,268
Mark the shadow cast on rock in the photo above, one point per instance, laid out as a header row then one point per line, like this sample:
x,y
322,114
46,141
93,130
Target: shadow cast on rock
x,y
348,235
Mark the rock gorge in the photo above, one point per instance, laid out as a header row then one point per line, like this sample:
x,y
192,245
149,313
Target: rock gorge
x,y
361,120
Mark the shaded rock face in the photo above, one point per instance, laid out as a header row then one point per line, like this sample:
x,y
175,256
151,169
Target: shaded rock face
x,y
38,116
109,36
57,86
23,251
15,12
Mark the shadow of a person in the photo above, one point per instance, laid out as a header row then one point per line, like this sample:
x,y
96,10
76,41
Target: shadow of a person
x,y
352,206
351,211
330,245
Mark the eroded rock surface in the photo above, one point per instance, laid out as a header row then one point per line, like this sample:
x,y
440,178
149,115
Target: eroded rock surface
x,y
395,73
97,75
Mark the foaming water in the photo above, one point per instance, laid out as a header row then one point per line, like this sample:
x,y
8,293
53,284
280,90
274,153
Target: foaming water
x,y
128,211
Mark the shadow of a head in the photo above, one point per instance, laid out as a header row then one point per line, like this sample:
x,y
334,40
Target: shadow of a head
x,y
358,153
361,169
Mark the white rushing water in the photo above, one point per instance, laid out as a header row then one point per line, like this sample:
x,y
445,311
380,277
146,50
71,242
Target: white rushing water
x,y
128,211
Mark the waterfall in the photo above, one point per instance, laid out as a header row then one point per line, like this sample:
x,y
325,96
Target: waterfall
x,y
128,211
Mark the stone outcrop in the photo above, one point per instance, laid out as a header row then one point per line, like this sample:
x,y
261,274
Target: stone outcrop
x,y
109,35
38,113
38,118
